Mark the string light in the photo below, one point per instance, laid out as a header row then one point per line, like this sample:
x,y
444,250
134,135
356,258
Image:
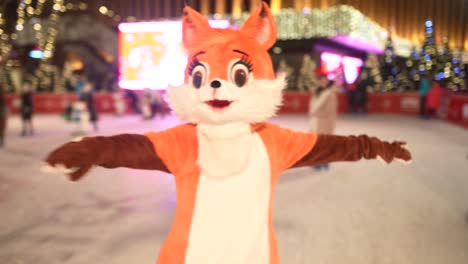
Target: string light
x,y
30,10
292,24
21,14
46,45
25,10
57,7
336,20
103,10
39,7
6,44
83,6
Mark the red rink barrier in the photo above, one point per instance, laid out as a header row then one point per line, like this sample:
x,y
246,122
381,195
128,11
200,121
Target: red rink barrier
x,y
394,103
454,107
457,111
391,103
295,102
56,103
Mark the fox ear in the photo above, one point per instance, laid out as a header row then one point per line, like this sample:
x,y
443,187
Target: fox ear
x,y
194,26
261,26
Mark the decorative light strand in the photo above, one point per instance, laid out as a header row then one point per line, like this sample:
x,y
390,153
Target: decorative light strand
x,y
336,20
7,39
47,46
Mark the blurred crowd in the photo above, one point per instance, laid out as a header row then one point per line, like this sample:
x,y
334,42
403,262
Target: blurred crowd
x,y
82,113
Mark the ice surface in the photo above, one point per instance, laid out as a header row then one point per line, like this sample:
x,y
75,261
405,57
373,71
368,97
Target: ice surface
x,y
355,213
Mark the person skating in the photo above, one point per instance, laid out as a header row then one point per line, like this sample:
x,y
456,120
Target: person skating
x,y
27,109
87,97
424,87
323,109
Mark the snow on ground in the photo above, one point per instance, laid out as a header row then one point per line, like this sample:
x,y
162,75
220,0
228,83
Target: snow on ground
x,y
355,213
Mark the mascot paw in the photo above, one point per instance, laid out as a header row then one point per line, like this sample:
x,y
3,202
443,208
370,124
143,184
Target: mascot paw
x,y
381,160
73,159
402,153
396,151
58,168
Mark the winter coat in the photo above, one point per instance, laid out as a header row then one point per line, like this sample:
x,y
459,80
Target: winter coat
x,y
27,106
434,96
323,111
424,87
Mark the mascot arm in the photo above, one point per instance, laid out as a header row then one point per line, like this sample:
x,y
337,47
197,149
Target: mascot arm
x,y
125,150
330,148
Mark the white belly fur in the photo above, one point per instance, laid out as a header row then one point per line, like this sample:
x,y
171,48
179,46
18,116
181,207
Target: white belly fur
x,y
230,220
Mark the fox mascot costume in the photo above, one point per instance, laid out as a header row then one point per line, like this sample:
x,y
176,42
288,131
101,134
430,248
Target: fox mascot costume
x,y
226,159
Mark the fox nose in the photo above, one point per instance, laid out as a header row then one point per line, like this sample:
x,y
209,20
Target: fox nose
x,y
215,84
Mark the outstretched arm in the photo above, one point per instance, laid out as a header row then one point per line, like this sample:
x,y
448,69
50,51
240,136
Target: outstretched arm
x,y
330,148
126,150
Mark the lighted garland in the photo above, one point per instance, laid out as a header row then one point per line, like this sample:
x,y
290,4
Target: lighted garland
x,y
31,11
6,39
28,12
4,45
4,48
334,21
48,46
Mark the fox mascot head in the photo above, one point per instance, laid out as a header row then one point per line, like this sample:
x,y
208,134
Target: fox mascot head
x,y
229,76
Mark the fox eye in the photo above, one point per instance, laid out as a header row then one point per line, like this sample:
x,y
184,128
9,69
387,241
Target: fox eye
x,y
239,74
198,76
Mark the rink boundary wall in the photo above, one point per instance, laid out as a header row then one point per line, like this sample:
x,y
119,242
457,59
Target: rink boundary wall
x,y
454,107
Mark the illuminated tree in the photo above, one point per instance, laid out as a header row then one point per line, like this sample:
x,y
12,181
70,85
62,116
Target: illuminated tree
x,y
412,66
428,58
307,80
450,70
389,70
372,67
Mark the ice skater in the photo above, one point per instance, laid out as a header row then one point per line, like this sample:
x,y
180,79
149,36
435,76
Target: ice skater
x,y
424,87
119,103
433,99
365,80
80,117
27,109
87,97
323,108
146,100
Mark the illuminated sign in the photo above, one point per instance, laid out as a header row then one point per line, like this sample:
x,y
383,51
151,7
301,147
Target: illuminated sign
x,y
151,54
332,62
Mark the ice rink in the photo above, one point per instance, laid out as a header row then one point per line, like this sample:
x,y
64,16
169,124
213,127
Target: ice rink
x,y
356,213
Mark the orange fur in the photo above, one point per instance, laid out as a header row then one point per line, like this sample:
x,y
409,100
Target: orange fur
x,y
178,147
256,36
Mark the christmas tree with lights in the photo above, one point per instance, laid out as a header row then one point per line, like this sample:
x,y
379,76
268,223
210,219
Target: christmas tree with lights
x,y
428,58
389,70
372,67
459,74
450,70
412,66
445,71
307,80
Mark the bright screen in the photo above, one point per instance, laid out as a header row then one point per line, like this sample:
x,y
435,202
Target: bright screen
x,y
332,62
151,54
